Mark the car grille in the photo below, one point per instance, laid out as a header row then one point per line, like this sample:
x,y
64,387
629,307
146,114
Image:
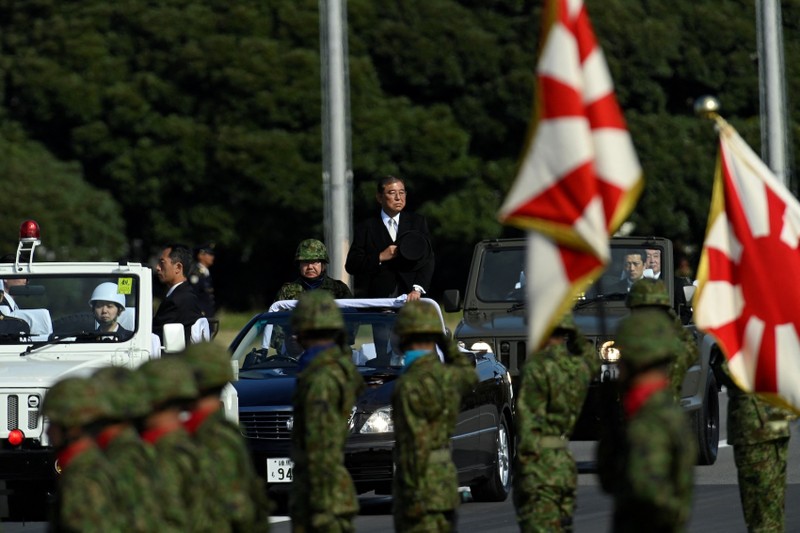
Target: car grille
x,y
266,425
22,412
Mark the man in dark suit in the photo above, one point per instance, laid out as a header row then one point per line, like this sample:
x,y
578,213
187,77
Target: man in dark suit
x,y
180,305
391,254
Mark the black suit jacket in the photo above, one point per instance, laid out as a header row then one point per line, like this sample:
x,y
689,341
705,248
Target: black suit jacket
x,y
390,278
181,307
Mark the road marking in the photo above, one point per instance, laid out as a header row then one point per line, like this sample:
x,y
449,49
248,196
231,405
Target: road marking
x,y
723,443
276,519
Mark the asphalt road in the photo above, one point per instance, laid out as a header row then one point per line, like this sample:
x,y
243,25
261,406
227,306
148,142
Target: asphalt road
x,y
716,500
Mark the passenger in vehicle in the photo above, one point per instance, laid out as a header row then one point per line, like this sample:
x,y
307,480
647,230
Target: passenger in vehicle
x,y
311,258
107,305
180,305
654,262
9,324
633,271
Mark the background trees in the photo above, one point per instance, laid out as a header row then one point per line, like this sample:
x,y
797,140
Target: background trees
x,y
131,124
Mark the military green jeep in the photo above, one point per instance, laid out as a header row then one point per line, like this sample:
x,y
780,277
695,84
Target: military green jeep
x,y
495,319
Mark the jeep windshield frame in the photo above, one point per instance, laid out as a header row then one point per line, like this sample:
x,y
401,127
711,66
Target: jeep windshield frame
x,y
501,278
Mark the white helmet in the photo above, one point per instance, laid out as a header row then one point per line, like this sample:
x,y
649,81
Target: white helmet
x,y
108,292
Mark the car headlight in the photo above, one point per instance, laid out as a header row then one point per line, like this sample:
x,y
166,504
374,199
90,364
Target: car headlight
x,y
609,352
379,422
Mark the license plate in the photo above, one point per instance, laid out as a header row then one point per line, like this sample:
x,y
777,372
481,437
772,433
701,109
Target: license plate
x,y
279,470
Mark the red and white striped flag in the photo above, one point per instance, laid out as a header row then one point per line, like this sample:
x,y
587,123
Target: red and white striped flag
x,y
749,273
579,177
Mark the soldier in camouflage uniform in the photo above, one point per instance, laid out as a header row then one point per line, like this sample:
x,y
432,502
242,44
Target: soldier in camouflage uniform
x,y
242,493
553,387
132,462
311,259
759,433
652,294
425,404
649,465
323,497
187,501
86,500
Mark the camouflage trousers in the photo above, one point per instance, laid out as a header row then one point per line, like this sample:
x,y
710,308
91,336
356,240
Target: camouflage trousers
x,y
762,483
442,522
324,523
544,491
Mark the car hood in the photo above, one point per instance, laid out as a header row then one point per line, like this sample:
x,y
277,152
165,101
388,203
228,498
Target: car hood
x,y
256,389
270,391
32,372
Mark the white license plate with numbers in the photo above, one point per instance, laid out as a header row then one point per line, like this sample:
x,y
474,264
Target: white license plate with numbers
x,y
279,470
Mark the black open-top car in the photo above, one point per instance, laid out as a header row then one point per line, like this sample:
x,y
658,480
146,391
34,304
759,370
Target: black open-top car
x,y
266,353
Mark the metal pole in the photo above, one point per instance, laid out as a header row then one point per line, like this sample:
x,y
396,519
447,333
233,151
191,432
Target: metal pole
x,y
774,135
337,173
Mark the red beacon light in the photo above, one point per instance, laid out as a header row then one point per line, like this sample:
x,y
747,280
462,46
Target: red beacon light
x,y
16,437
29,231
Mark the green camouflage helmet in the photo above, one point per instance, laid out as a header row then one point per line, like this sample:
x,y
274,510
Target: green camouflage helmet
x,y
317,311
125,391
74,402
646,292
567,323
168,379
211,364
418,318
646,339
311,250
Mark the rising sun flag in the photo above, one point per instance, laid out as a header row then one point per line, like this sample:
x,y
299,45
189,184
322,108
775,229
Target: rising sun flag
x,y
579,177
753,233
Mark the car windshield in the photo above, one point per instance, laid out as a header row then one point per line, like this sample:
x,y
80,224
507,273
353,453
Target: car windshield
x,y
269,341
57,308
502,272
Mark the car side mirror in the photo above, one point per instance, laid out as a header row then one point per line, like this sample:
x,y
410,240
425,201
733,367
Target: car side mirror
x,y
451,300
173,338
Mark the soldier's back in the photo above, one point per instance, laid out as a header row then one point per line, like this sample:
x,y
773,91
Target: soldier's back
x,y
132,464
86,500
242,492
658,472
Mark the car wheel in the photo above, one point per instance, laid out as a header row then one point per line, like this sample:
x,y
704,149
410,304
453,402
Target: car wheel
x,y
706,423
498,485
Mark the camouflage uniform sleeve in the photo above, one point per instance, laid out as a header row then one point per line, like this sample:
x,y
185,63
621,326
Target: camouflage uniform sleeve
x,y
581,345
531,409
461,368
323,439
87,505
288,291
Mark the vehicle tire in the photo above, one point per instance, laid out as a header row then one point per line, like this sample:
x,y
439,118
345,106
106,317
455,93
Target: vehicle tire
x,y
706,423
497,487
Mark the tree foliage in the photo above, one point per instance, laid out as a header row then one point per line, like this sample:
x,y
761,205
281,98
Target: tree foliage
x,y
199,120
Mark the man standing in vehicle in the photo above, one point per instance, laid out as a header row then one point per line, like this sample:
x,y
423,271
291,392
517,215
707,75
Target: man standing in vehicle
x,y
648,466
376,257
634,265
425,404
553,387
323,497
311,259
180,305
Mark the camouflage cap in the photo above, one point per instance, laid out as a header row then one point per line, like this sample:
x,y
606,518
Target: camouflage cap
x,y
316,310
646,339
125,391
418,317
168,379
647,292
74,402
311,250
566,323
211,364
